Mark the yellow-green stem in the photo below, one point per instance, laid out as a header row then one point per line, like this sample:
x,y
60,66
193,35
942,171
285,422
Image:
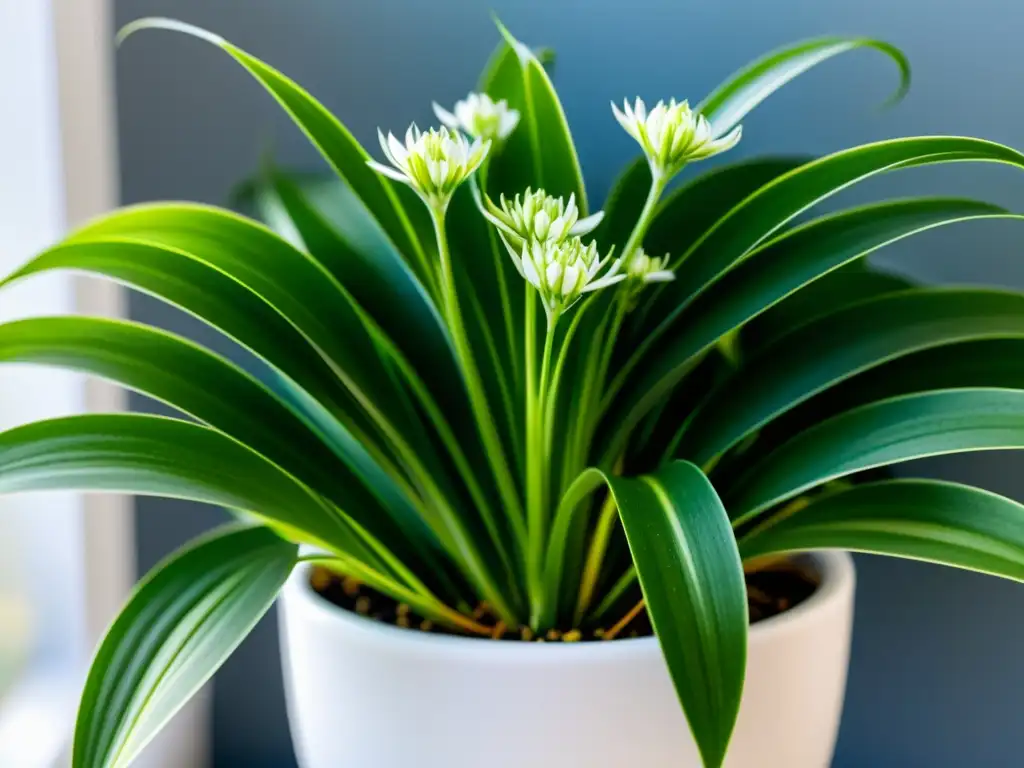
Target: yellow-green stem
x,y
480,408
595,557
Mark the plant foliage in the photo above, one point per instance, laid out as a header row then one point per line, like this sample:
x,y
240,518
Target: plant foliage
x,y
469,389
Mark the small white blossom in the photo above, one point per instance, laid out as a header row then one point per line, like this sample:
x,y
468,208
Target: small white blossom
x,y
648,269
563,271
671,135
539,217
434,163
480,117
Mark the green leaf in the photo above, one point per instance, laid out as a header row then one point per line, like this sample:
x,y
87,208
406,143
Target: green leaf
x,y
293,283
180,624
540,153
809,360
143,251
839,288
370,271
772,273
328,135
761,214
156,456
920,519
207,387
692,581
875,435
730,102
688,211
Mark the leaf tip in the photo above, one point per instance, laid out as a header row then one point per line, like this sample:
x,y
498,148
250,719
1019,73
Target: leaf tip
x,y
173,25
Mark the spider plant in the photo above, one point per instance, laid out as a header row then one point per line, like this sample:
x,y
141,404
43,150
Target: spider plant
x,y
465,390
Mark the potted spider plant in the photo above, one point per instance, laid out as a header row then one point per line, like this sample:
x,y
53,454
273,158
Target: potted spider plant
x,y
537,484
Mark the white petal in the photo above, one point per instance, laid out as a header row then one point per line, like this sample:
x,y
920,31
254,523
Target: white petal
x,y
399,155
387,170
583,226
445,116
530,272
604,282
663,276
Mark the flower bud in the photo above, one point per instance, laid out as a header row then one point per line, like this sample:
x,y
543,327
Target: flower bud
x,y
480,117
672,135
434,163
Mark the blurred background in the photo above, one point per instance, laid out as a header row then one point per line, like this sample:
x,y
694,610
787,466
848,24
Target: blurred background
x,y
936,677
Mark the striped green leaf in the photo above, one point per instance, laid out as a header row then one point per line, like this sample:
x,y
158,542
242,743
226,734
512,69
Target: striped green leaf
x,y
773,272
920,519
887,432
692,581
810,360
731,101
180,624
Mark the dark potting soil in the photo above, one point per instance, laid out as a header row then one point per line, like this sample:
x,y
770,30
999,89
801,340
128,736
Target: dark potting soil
x,y
770,591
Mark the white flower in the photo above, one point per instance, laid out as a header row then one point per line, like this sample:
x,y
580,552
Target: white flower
x,y
480,117
539,217
671,135
648,269
434,163
563,271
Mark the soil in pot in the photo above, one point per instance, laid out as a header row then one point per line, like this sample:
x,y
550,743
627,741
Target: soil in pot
x,y
771,590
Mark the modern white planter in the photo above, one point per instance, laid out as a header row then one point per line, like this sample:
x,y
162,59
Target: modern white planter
x,y
369,695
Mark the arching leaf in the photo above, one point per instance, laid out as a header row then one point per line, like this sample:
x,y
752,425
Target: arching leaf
x,y
180,624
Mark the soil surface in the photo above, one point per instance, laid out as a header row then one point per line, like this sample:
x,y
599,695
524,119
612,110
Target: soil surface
x,y
770,591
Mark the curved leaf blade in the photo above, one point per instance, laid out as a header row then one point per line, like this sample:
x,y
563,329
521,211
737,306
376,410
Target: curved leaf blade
x,y
345,155
840,288
688,211
939,522
776,270
195,381
763,213
692,580
731,101
540,152
157,456
809,361
180,624
199,288
903,428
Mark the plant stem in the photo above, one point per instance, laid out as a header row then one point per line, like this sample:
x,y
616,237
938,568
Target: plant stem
x,y
478,403
536,459
635,240
624,621
537,468
592,407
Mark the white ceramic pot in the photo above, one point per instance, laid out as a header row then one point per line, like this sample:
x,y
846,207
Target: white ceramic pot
x,y
367,695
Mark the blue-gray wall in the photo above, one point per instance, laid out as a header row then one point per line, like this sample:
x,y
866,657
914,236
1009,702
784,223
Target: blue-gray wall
x,y
937,675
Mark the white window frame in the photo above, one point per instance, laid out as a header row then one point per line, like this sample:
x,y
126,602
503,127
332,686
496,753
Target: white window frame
x,y
58,151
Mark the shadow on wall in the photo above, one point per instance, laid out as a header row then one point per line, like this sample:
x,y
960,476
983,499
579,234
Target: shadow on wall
x,y
935,677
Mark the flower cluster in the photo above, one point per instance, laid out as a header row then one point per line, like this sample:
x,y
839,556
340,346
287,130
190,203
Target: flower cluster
x,y
433,163
480,116
671,135
563,270
538,216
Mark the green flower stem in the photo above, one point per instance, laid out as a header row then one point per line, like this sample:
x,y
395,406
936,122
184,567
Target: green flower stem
x,y
537,471
636,237
604,341
624,582
481,411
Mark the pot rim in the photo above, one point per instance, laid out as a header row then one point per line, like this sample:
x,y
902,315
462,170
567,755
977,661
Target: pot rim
x,y
835,567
